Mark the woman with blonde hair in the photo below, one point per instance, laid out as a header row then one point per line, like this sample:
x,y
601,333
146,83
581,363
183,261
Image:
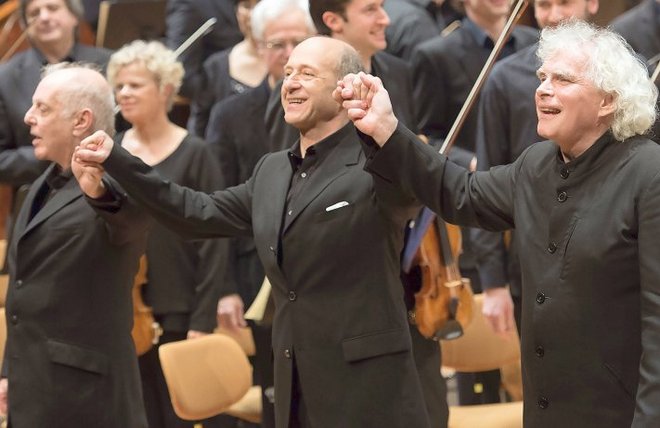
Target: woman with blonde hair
x,y
183,277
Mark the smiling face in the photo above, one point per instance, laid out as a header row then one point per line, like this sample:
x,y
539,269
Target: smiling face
x,y
363,26
138,93
549,13
50,22
309,78
571,110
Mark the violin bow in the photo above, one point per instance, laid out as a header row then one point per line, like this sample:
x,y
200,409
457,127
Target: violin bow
x,y
514,17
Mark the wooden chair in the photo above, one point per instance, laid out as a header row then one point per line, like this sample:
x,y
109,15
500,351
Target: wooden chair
x,y
480,349
206,376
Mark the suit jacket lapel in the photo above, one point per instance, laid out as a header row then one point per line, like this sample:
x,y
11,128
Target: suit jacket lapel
x,y
63,197
346,153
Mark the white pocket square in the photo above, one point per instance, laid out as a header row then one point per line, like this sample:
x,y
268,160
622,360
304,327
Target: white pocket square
x,y
336,206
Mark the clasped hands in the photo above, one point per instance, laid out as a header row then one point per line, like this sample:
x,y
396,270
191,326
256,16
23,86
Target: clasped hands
x,y
368,105
87,161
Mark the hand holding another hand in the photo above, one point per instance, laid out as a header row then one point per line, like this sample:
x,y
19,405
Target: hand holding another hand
x,y
368,105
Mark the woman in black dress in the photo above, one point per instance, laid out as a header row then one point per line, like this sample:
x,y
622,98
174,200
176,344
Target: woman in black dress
x,y
184,278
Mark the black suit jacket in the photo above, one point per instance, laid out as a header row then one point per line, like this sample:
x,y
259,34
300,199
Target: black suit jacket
x,y
590,268
184,17
69,357
18,79
333,262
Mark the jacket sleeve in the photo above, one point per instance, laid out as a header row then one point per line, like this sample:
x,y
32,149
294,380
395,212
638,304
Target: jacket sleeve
x,y
192,214
482,199
647,412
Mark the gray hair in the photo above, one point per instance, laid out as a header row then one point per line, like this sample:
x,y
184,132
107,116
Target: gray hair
x,y
612,67
79,94
158,59
349,62
74,6
267,11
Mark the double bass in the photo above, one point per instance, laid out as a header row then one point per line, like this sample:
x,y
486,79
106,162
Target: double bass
x,y
443,305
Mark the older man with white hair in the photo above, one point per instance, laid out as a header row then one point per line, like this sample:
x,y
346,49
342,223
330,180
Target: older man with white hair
x,y
586,206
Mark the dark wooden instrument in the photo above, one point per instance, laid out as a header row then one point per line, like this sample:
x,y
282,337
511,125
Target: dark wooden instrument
x,y
443,305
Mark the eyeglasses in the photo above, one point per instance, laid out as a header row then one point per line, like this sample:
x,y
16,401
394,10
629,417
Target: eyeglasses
x,y
281,45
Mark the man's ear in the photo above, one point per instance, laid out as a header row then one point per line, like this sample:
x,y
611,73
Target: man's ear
x,y
607,105
333,21
82,122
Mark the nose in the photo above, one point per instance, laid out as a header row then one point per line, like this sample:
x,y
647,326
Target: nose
x,y
383,17
29,117
544,88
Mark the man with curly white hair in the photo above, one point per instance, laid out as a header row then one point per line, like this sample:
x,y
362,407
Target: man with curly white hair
x,y
586,206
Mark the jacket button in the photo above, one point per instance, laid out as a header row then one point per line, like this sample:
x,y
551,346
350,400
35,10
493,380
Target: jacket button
x,y
552,247
19,283
287,353
564,173
540,351
271,249
562,196
14,319
543,403
540,298
292,296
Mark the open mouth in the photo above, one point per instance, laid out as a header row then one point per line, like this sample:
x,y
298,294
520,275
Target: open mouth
x,y
549,110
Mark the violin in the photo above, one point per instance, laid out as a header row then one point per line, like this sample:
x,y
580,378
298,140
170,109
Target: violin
x,y
146,331
443,305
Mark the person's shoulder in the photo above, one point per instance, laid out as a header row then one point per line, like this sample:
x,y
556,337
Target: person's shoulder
x,y
93,53
628,20
17,61
391,61
227,109
526,35
443,43
217,60
525,60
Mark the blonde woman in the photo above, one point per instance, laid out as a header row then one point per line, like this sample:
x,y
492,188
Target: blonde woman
x,y
183,277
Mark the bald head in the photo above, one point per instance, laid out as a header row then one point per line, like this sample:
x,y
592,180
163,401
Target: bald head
x,y
81,86
337,56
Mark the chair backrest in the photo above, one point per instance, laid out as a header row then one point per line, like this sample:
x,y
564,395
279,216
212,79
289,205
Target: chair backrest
x,y
205,376
242,336
480,348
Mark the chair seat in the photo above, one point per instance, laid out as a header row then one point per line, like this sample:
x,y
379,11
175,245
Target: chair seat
x,y
249,407
499,415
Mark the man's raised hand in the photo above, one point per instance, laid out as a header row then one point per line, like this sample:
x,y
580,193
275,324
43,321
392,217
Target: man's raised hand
x,y
368,105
